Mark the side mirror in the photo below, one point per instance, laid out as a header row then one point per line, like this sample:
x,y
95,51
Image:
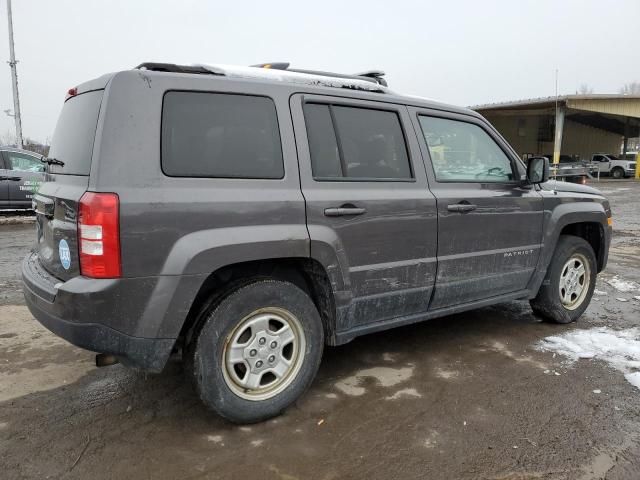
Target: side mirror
x,y
538,170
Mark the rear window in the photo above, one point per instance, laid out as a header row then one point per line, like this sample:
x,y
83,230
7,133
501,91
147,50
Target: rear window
x,y
221,136
75,133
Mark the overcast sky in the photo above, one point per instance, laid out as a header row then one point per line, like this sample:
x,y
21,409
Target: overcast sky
x,y
461,52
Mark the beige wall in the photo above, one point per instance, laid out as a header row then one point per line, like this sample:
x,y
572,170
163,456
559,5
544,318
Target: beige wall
x,y
522,134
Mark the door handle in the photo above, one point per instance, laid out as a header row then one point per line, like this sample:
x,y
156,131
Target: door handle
x,y
343,211
461,207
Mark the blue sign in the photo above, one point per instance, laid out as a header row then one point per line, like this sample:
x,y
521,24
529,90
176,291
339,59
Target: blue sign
x,y
64,253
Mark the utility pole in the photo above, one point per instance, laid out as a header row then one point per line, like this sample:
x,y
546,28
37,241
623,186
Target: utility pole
x,y
14,79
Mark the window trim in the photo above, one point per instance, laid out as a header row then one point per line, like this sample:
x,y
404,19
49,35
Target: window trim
x,y
443,115
241,94
340,103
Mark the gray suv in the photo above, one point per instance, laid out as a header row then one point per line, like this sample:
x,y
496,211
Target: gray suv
x,y
248,216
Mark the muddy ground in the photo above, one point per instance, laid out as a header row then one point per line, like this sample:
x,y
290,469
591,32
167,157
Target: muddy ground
x,y
466,396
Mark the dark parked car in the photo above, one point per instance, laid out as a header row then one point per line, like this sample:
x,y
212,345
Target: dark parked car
x,y
21,172
247,217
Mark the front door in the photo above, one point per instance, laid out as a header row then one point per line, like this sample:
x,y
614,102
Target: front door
x,y
604,165
4,183
489,223
367,199
25,174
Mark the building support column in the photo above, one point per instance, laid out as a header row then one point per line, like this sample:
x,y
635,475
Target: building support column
x,y
557,139
625,141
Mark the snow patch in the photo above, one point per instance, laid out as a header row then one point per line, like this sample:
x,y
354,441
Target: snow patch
x,y
599,292
619,348
633,379
405,392
214,438
623,285
389,357
446,374
387,377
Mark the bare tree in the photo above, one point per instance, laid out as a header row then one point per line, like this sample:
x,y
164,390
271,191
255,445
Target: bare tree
x,y
8,138
584,90
632,88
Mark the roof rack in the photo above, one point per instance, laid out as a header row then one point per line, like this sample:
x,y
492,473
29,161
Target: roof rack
x,y
374,76
370,81
172,67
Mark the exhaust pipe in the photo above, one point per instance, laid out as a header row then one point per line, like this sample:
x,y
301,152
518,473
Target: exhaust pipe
x,y
105,359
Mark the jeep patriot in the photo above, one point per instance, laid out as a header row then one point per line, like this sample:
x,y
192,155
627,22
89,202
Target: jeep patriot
x,y
246,217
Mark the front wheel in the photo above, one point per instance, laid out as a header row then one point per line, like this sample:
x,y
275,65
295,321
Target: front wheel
x,y
257,351
571,279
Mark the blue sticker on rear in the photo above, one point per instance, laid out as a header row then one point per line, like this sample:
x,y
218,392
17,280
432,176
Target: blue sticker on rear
x,y
64,253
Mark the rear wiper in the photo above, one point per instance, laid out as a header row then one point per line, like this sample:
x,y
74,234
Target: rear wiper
x,y
52,161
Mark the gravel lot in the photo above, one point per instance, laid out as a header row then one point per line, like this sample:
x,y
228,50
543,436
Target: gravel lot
x,y
467,396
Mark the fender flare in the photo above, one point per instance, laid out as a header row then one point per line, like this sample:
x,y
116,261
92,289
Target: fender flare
x,y
555,221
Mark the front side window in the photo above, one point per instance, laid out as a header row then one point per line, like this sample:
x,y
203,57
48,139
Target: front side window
x,y
221,136
24,163
353,143
464,152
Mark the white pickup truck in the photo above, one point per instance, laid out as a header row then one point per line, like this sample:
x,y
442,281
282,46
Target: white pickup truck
x,y
614,166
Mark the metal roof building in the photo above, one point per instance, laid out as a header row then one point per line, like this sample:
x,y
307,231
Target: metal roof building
x,y
574,125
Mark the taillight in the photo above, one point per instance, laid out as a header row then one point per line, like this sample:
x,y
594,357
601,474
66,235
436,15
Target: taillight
x,y
99,235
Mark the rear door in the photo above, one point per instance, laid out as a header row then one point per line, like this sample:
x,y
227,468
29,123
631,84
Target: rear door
x,y
58,195
25,175
367,199
4,183
489,225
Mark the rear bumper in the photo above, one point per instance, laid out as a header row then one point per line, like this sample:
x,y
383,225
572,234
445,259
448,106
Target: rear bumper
x,y
79,311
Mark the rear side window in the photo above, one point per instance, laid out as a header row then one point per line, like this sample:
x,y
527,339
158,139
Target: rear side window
x,y
75,132
325,156
220,135
353,143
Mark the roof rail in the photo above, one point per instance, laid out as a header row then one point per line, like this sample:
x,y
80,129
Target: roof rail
x,y
374,76
172,67
377,75
369,81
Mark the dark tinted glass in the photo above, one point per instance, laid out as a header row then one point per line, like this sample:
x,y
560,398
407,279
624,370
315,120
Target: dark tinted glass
x,y
220,135
325,159
372,143
75,133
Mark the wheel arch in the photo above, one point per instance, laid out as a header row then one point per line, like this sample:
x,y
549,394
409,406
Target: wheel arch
x,y
587,220
306,273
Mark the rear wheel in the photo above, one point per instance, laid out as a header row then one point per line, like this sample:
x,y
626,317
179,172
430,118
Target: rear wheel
x,y
617,173
257,351
568,288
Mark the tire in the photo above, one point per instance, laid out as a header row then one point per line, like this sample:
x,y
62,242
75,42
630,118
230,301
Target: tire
x,y
268,321
549,303
617,173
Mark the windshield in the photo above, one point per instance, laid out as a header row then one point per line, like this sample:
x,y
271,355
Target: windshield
x,y
75,132
612,157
